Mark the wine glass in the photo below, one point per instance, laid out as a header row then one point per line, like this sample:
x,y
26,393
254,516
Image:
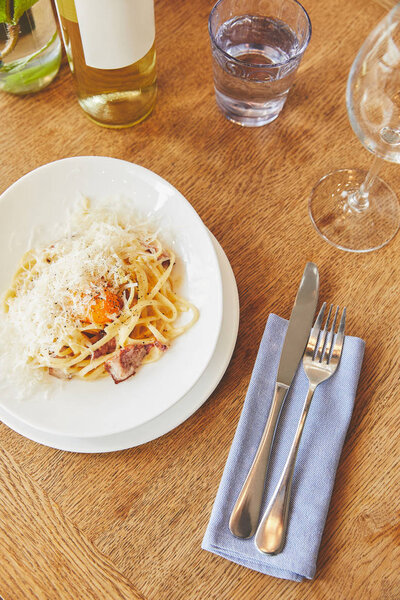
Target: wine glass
x,y
352,209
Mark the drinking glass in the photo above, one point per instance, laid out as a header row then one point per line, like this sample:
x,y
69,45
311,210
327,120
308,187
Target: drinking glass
x,y
352,209
256,46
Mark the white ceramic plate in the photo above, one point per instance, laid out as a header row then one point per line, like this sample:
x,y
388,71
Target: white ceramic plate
x,y
38,202
181,410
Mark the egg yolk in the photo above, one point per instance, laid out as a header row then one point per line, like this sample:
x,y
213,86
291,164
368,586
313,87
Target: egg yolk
x,y
103,308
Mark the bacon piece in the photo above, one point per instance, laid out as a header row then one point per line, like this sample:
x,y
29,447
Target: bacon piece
x,y
160,346
59,373
125,363
106,348
164,257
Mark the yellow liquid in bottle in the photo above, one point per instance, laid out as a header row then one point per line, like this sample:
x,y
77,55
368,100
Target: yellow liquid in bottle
x,y
113,98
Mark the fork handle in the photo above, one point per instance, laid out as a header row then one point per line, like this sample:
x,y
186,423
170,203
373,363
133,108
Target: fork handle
x,y
246,512
271,533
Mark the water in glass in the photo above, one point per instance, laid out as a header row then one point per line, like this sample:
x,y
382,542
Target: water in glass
x,y
255,60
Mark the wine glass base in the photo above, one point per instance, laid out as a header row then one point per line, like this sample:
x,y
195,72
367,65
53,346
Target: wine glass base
x,y
347,227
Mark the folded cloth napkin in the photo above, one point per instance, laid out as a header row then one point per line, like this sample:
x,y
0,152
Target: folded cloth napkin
x,y
316,464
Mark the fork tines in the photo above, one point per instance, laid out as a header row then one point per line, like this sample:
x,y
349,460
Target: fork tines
x,y
321,340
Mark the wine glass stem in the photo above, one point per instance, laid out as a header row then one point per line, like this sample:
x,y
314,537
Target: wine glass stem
x,y
359,200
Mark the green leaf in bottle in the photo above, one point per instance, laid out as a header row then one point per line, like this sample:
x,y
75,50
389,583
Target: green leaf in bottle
x,y
10,13
36,65
12,10
5,11
21,6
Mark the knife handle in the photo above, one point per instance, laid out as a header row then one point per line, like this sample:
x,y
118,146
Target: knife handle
x,y
245,515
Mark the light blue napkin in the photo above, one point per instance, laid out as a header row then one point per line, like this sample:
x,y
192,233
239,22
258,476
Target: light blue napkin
x,y
316,464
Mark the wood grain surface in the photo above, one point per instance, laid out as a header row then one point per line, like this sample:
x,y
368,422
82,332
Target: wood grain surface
x,y
129,524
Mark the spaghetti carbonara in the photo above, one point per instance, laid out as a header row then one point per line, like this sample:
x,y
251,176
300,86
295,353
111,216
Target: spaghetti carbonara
x,y
98,301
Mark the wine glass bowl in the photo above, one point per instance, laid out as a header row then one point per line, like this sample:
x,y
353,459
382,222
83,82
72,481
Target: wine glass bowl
x,y
373,90
353,209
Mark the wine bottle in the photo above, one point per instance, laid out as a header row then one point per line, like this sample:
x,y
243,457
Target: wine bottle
x,y
110,48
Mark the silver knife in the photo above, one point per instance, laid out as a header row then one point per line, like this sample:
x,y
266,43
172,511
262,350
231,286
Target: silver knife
x,y
245,515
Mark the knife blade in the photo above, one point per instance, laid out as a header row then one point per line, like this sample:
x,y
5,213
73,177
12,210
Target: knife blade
x,y
245,515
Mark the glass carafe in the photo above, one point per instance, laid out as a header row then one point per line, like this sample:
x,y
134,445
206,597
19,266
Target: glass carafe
x,y
30,50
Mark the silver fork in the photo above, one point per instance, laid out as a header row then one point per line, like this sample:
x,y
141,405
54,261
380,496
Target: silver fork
x,y
320,361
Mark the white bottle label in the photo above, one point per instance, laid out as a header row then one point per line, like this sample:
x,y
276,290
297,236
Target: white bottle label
x,y
115,33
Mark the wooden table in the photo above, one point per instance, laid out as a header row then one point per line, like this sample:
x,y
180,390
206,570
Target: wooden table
x,y
129,525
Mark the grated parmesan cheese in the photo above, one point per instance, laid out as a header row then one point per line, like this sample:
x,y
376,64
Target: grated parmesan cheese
x,y
60,282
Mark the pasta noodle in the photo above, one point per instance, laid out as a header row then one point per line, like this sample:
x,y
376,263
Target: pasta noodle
x,y
100,300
